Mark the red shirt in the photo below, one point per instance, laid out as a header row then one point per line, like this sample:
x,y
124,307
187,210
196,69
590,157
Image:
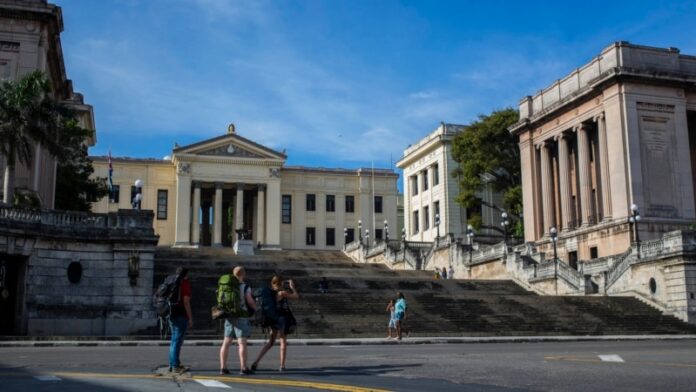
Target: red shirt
x,y
185,288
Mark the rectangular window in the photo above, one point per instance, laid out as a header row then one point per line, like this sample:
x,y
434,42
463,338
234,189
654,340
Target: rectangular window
x,y
378,234
426,218
414,184
350,236
115,194
573,259
330,236
425,179
330,203
436,174
287,209
378,204
162,196
593,252
311,202
310,240
416,227
350,203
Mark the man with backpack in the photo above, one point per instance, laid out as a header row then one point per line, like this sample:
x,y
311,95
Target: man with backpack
x,y
234,298
173,303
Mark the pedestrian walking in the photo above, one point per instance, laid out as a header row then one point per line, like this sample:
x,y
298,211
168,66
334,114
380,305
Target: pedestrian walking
x,y
400,308
238,297
285,324
176,291
450,274
444,273
391,327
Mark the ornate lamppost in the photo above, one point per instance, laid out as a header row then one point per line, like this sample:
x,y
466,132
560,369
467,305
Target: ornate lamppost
x,y
554,239
505,222
137,200
345,237
386,231
360,239
633,219
470,235
437,226
367,237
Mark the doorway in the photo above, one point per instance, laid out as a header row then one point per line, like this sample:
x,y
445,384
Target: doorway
x,y
12,272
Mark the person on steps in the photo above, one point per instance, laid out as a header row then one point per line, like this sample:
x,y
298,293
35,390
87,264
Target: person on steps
x,y
285,291
238,327
392,319
444,273
180,320
400,314
450,274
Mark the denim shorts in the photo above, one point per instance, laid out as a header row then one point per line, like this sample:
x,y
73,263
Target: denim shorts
x,y
399,316
238,328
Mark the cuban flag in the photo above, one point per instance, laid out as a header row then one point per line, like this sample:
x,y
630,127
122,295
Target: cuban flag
x,y
111,178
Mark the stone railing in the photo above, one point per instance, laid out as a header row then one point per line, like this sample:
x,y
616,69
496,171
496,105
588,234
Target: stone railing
x,y
77,222
352,246
488,253
618,266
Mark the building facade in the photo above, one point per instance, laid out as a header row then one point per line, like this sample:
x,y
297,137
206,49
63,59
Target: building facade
x,y
430,189
211,192
29,41
616,137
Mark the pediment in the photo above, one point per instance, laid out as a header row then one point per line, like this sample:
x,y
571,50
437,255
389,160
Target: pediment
x,y
231,146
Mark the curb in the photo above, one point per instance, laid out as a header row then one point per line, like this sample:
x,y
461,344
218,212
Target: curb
x,y
352,342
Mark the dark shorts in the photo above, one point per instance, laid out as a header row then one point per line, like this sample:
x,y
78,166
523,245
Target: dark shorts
x,y
399,316
285,324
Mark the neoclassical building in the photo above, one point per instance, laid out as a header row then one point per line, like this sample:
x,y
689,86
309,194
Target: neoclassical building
x,y
430,189
618,132
207,192
29,41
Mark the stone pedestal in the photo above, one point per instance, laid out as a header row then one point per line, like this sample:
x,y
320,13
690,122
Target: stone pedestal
x,y
244,247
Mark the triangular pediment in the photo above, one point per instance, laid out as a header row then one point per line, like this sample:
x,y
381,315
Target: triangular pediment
x,y
230,145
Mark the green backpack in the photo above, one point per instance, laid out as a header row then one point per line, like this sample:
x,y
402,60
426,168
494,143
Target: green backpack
x,y
229,297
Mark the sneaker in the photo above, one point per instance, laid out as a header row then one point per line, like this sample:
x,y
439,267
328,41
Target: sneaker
x,y
224,371
180,369
245,372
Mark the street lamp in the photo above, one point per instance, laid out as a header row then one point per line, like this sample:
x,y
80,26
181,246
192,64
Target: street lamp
x,y
137,200
470,235
633,219
386,231
360,231
345,237
554,239
437,225
367,237
403,234
505,222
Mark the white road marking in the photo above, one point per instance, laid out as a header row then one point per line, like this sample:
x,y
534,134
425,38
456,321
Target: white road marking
x,y
611,358
47,378
213,384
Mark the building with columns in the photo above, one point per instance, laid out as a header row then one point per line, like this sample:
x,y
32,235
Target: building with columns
x,y
619,131
30,41
212,192
430,189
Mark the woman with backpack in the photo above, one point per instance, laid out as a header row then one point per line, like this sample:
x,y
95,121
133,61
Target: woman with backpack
x,y
285,324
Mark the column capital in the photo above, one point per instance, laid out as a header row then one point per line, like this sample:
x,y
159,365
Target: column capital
x,y
239,186
219,185
261,187
598,117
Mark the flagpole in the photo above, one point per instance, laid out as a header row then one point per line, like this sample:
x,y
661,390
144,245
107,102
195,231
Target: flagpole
x,y
374,225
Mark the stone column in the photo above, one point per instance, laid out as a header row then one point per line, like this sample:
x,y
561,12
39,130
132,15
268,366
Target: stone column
x,y
549,210
239,210
584,176
564,182
273,213
261,216
183,210
196,232
604,166
217,219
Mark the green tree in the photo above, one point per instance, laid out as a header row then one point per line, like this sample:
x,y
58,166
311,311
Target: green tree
x,y
28,116
76,189
488,155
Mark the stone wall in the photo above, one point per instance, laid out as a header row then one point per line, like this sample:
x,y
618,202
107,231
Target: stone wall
x,y
107,299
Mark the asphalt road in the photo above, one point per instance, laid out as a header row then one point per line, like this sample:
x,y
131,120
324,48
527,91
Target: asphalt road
x,y
553,366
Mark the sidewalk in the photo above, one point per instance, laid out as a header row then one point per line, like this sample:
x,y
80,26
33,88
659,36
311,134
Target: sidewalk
x,y
84,342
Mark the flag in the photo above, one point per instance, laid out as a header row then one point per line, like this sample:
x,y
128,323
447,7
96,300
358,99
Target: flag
x,y
111,177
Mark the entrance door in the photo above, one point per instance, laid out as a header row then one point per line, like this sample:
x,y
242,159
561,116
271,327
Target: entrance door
x,y
11,293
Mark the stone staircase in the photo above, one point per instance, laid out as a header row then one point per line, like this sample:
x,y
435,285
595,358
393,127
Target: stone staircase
x,y
356,302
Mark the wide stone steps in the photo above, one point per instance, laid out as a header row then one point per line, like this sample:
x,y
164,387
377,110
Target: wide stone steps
x,y
358,293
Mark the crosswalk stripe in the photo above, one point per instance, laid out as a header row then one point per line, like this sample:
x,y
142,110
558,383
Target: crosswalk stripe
x,y
213,384
47,378
611,358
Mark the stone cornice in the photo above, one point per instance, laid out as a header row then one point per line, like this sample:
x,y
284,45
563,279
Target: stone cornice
x,y
192,158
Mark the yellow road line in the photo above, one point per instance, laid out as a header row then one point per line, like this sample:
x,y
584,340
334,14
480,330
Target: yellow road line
x,y
593,360
239,380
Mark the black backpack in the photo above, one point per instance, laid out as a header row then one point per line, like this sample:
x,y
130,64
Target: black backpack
x,y
266,314
167,296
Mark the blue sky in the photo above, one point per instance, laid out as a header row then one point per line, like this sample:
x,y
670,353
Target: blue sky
x,y
335,83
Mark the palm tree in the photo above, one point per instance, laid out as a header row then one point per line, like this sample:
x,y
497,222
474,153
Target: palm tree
x,y
29,116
